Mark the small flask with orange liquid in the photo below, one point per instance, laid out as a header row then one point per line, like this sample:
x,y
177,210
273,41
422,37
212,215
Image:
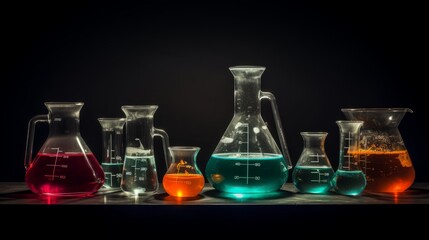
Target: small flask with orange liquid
x,y
183,178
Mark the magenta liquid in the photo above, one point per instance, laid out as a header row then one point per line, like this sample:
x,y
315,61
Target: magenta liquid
x,y
64,174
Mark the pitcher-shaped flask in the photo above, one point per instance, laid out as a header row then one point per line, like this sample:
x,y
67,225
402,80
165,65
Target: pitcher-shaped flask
x,y
64,166
383,155
313,171
247,159
139,174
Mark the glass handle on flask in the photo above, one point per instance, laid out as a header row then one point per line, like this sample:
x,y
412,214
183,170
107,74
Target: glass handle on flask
x,y
275,109
165,143
30,137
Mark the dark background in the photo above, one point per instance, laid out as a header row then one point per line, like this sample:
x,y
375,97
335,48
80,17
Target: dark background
x,y
320,57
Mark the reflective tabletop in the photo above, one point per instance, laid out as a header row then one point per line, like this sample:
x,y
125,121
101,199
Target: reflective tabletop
x,y
16,193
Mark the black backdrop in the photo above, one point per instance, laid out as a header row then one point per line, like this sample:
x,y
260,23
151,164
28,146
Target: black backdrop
x,y
319,58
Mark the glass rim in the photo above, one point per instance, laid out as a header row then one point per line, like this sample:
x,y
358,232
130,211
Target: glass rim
x,y
314,133
349,121
249,67
376,110
184,148
111,119
139,106
64,103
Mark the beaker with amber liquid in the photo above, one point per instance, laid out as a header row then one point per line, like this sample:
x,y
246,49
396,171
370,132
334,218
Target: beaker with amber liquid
x,y
382,153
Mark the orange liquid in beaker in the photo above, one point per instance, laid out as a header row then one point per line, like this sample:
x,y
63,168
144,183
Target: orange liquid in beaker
x,y
183,185
386,171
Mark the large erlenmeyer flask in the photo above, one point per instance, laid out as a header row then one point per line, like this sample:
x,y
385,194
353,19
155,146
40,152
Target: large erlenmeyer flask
x,y
64,166
247,159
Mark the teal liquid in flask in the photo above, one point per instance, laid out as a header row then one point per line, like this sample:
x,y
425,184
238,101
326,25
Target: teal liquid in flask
x,y
112,153
247,159
349,178
313,172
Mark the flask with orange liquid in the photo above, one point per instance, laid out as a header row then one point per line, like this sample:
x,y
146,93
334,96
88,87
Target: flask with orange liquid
x,y
382,152
183,178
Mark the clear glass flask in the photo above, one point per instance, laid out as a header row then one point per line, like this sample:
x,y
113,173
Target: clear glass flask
x,y
139,174
349,178
313,171
383,155
64,166
112,152
247,159
183,177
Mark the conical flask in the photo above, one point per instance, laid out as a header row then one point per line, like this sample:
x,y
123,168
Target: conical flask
x,y
247,159
313,171
64,166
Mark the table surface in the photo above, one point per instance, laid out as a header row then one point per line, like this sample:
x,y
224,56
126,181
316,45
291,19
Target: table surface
x,y
16,193
285,210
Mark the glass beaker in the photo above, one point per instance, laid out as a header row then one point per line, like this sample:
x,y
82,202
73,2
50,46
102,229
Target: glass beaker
x,y
313,171
383,155
112,158
64,166
247,159
183,178
139,174
349,178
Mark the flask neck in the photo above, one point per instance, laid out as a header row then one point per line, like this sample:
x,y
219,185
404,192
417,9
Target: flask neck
x,y
112,124
314,139
184,160
139,134
349,140
63,118
247,95
63,126
247,89
139,129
